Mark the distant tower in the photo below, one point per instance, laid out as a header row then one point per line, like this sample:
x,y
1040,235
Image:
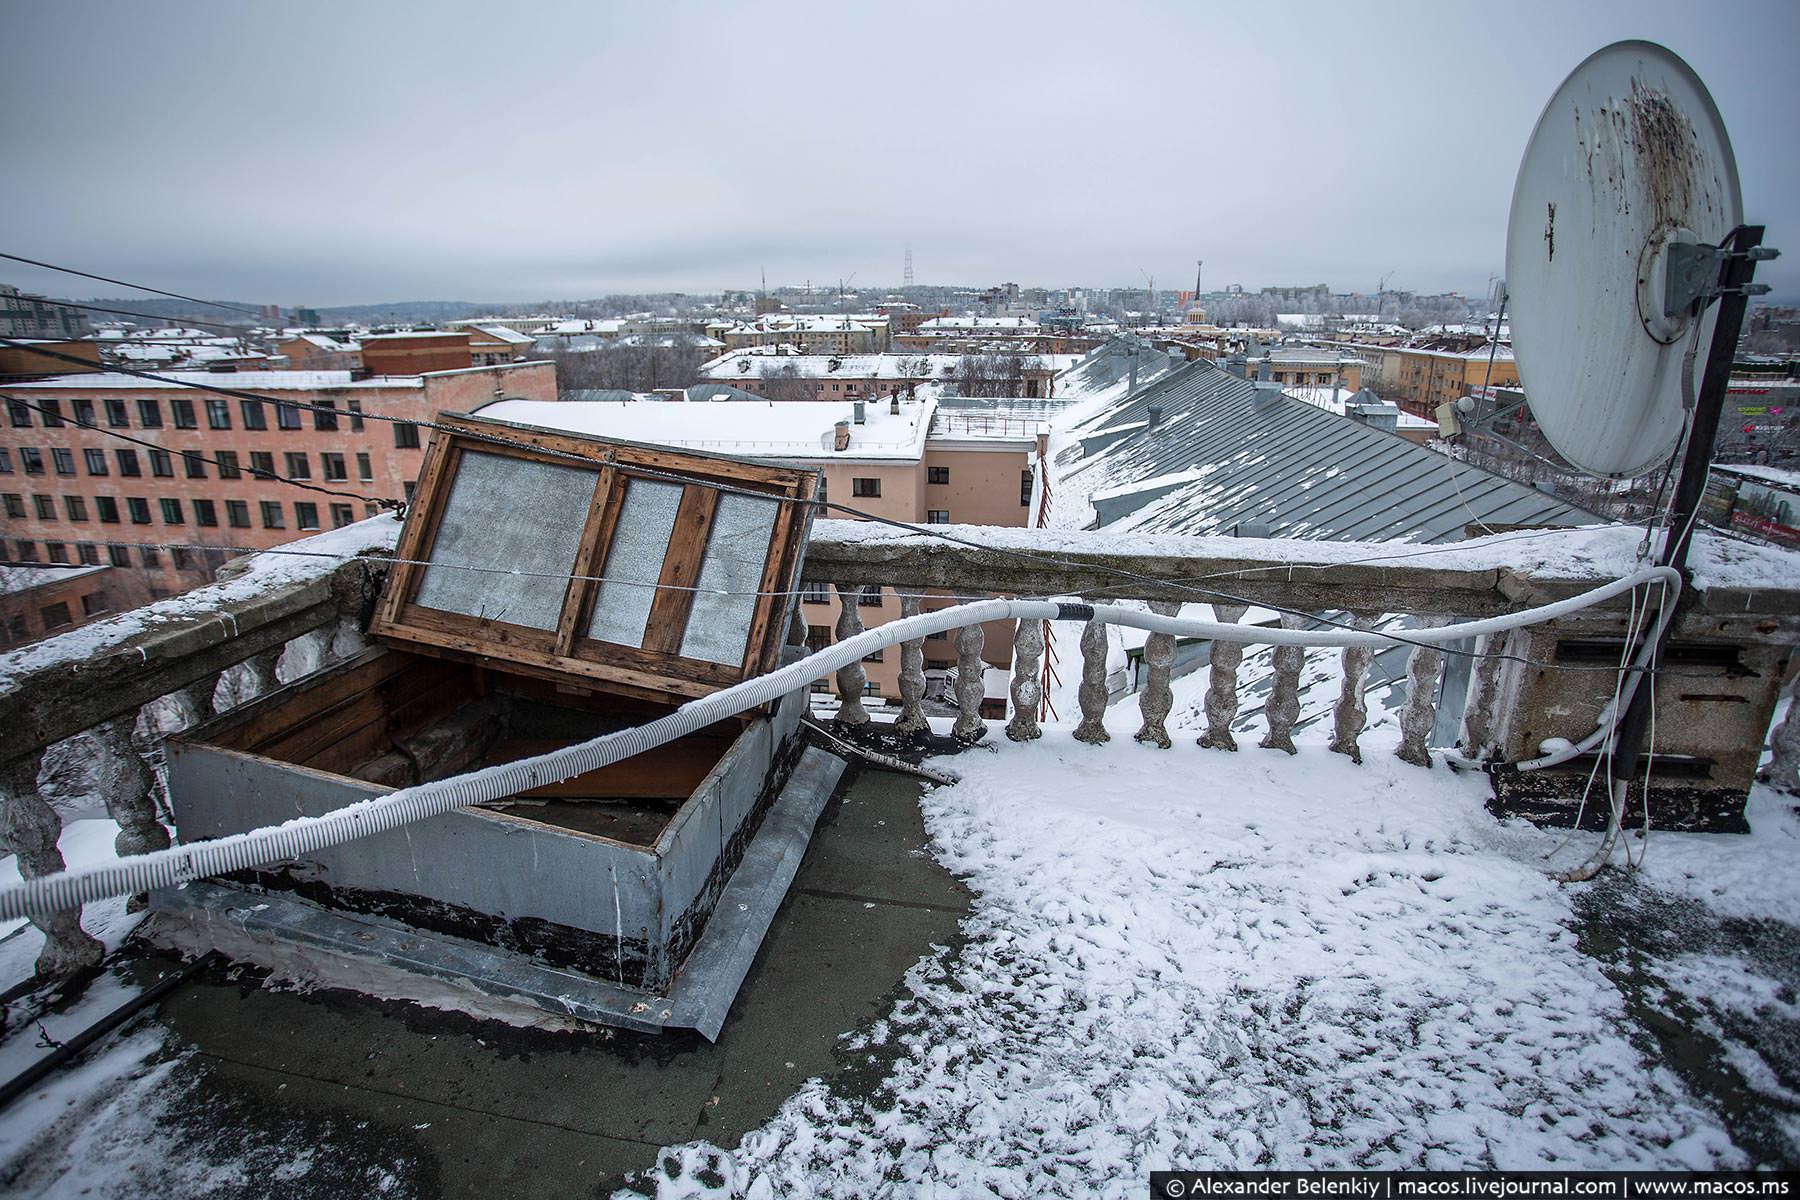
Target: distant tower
x,y
1199,266
908,282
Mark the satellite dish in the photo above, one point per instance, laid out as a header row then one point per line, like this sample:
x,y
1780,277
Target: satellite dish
x,y
1628,160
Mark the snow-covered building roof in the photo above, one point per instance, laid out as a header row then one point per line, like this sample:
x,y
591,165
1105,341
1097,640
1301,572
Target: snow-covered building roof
x,y
765,362
256,381
787,430
1201,451
962,325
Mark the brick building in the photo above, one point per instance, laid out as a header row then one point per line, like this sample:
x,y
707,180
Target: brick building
x,y
416,353
202,470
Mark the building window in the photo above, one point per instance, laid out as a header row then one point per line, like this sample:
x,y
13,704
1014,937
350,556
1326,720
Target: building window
x,y
262,464
161,465
15,505
325,415
27,550
228,464
937,474
814,593
117,415
206,513
356,422
45,505
871,688
84,411
218,414
865,487
195,463
6,467
272,517
150,556
342,515
939,636
96,461
371,510
57,552
287,415
181,558
128,463
117,555
20,413
237,514
89,554
107,509
93,602
55,616
876,656
306,514
50,410
254,416
64,459
364,471
332,467
1025,489
870,596
406,437
183,411
937,516
139,508
171,511
150,413
818,637
298,466
75,507
31,460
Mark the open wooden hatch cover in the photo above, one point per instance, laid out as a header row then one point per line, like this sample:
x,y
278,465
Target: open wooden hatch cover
x,y
616,567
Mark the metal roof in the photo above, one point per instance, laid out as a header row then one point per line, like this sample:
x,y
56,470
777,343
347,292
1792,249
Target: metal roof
x,y
1221,456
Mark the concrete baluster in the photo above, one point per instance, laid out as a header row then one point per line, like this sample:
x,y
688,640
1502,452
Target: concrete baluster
x,y
1157,698
29,828
240,684
1092,692
912,675
970,686
1222,683
851,678
1784,742
304,655
1282,708
1351,713
1027,688
1423,671
1484,688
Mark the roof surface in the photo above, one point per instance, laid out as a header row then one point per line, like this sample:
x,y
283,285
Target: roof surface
x,y
1223,455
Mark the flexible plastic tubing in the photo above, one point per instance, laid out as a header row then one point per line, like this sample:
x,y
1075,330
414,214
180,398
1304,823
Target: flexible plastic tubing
x,y
304,835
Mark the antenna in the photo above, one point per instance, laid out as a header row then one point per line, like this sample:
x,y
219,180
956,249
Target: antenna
x,y
908,278
1626,227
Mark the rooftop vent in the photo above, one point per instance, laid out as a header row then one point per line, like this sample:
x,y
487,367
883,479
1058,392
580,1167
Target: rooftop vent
x,y
861,412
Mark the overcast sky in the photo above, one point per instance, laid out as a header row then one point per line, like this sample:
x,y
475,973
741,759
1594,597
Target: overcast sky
x,y
326,153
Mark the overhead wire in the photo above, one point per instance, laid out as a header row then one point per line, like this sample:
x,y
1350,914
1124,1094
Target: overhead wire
x,y
134,286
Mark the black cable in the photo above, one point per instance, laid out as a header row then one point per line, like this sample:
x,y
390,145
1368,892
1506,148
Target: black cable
x,y
253,472
125,312
136,286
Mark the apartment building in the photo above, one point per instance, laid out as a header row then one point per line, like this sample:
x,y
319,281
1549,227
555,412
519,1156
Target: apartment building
x,y
850,334
906,460
1419,380
204,472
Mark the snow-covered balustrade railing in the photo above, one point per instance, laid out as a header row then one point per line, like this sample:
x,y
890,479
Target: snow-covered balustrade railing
x,y
1740,619
83,715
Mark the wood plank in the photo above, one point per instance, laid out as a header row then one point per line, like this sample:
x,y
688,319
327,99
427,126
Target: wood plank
x,y
522,660
416,535
272,719
670,772
596,533
680,569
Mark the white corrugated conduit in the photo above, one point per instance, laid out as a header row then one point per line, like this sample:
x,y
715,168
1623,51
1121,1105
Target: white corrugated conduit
x,y
304,835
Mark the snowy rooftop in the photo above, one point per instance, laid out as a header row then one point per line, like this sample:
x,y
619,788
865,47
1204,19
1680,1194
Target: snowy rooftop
x,y
802,429
765,362
257,381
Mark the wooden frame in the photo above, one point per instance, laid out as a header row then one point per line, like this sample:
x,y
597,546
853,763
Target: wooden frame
x,y
654,670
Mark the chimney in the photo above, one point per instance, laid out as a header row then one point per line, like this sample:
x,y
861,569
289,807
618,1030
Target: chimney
x,y
1154,412
842,440
861,411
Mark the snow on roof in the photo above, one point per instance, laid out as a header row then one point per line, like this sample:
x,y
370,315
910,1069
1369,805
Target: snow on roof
x,y
256,381
1339,399
573,326
14,580
988,324
1776,475
416,333
328,343
512,336
802,429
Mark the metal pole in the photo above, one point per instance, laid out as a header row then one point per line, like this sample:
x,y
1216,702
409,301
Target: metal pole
x,y
1734,275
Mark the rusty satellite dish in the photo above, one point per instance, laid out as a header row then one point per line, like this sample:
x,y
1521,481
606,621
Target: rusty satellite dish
x,y
1626,185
